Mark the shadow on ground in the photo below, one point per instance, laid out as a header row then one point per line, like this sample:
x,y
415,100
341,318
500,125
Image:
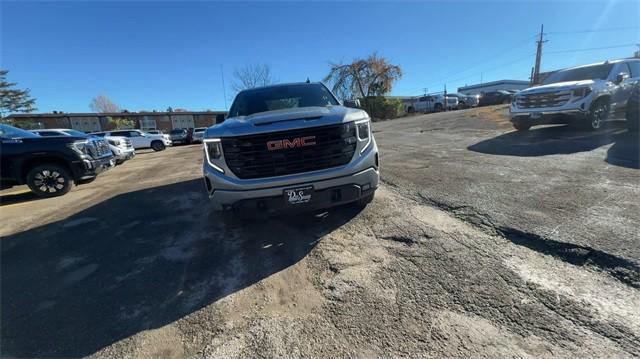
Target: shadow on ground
x,y
137,261
565,139
12,198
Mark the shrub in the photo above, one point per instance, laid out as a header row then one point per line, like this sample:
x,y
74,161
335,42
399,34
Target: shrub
x,y
382,108
121,123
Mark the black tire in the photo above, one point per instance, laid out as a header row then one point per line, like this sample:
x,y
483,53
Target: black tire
x,y
598,114
411,109
633,123
521,126
633,111
364,201
49,180
437,107
157,146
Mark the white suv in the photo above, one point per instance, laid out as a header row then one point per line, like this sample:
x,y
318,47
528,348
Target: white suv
x,y
139,139
584,95
433,103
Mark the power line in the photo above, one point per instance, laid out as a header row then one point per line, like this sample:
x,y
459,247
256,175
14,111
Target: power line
x,y
594,30
589,49
481,62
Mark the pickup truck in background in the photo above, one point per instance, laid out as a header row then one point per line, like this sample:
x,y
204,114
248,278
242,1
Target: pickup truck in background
x,y
139,139
120,146
50,165
433,103
584,95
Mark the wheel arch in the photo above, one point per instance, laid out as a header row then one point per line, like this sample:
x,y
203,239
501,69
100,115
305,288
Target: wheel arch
x,y
30,163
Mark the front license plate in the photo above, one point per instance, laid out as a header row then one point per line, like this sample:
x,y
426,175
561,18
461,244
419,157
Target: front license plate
x,y
298,195
536,115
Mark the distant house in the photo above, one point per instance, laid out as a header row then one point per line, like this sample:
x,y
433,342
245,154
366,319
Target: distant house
x,y
493,86
92,122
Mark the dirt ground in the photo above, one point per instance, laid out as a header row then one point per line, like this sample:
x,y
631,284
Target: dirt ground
x,y
471,248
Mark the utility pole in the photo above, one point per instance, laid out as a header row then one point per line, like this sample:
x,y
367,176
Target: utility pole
x,y
445,97
536,69
425,90
224,88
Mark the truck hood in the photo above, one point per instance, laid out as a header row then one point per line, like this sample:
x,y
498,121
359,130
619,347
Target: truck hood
x,y
287,119
52,139
558,86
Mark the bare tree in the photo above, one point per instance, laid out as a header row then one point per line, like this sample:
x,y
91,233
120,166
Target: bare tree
x,y
102,104
250,76
363,78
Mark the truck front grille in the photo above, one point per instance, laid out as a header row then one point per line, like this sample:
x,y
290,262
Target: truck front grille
x,y
249,156
100,149
548,99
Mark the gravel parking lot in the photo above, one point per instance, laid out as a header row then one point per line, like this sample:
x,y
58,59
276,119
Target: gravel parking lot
x,y
480,242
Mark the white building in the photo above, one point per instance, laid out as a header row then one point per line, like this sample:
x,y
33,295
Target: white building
x,y
493,86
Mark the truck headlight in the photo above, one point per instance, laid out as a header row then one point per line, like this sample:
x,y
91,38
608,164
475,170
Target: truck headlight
x,y
580,92
364,132
80,147
213,151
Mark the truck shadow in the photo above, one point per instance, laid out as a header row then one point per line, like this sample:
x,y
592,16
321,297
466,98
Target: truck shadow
x,y
553,140
625,151
134,262
13,198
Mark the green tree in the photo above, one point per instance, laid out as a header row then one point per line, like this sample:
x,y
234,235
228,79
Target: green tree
x,y
121,123
12,99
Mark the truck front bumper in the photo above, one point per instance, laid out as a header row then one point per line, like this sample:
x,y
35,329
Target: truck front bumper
x,y
331,187
86,168
548,117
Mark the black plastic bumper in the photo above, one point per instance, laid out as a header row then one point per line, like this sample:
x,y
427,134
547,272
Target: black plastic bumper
x,y
89,168
321,199
549,119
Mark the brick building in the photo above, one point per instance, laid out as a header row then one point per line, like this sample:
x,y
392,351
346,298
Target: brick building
x,y
92,122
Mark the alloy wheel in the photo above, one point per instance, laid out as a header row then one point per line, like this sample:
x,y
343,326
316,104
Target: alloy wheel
x,y
49,181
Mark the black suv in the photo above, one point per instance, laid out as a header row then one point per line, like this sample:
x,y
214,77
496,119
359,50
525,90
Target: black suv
x,y
49,165
495,98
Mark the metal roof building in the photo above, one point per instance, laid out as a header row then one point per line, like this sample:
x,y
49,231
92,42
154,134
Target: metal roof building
x,y
493,86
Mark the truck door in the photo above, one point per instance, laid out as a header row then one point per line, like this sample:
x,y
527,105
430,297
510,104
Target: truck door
x,y
623,89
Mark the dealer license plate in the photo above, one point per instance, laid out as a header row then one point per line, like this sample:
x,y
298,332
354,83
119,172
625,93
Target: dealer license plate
x,y
298,195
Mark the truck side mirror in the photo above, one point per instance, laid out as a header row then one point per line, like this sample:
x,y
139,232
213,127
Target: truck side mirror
x,y
621,77
220,118
352,103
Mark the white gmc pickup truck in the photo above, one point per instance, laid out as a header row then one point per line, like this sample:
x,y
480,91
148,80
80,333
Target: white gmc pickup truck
x,y
584,95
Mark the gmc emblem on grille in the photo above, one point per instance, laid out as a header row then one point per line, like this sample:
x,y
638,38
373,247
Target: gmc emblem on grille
x,y
293,143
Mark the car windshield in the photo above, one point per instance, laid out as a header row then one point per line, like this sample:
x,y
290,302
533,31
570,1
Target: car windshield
x,y
281,97
75,133
592,72
7,131
177,132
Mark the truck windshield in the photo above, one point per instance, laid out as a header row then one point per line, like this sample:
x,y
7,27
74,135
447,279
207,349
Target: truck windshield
x,y
75,133
580,73
7,131
281,97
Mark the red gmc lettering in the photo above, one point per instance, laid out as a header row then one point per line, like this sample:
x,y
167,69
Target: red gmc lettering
x,y
293,143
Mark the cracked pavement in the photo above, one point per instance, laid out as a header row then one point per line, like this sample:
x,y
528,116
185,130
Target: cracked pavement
x,y
464,252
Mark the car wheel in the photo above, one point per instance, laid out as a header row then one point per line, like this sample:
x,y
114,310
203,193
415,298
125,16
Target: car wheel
x,y
597,116
437,107
633,112
521,126
506,101
157,146
49,180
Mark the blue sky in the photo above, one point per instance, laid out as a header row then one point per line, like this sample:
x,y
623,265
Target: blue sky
x,y
150,55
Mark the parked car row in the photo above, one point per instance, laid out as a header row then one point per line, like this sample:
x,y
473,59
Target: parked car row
x,y
50,165
440,102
